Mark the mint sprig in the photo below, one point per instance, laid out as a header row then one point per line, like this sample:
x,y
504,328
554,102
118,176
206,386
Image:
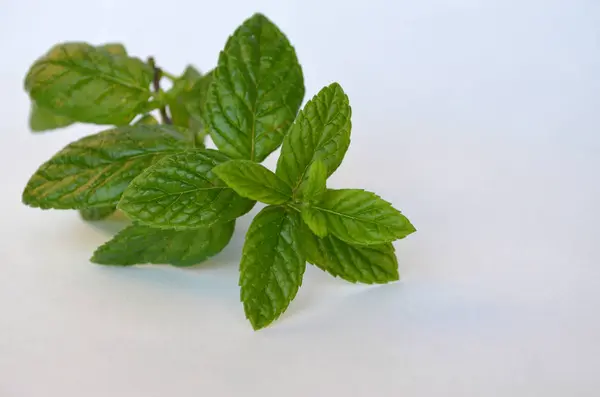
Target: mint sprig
x,y
182,198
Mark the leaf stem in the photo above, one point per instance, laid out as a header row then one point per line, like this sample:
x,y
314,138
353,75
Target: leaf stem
x,y
158,74
293,206
168,75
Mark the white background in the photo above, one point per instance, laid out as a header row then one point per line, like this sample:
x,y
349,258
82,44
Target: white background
x,y
479,119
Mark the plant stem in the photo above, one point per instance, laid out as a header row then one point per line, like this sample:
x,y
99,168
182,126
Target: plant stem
x,y
158,73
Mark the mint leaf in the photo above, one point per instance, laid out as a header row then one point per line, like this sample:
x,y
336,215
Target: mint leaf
x,y
182,192
88,84
97,213
254,181
315,220
138,244
176,96
321,132
360,217
272,265
195,104
95,170
147,119
256,92
370,264
113,48
42,119
316,181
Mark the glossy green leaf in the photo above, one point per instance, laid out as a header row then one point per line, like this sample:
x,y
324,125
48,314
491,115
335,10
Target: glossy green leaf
x,y
88,84
139,244
369,264
257,90
321,132
94,171
147,119
254,181
42,119
181,191
360,217
316,181
315,220
272,265
97,213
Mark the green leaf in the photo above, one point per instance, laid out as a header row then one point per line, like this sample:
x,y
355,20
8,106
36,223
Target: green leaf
x,y
175,96
257,90
316,181
315,220
139,244
360,217
182,192
88,84
113,48
370,264
254,181
94,171
42,119
97,213
272,265
147,119
321,132
187,100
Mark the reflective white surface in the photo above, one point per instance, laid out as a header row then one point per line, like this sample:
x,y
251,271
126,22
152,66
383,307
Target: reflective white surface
x,y
479,119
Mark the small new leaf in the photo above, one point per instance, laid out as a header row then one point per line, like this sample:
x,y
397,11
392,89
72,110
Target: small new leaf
x,y
316,181
195,105
321,132
254,181
95,170
272,265
97,213
179,95
360,217
182,192
256,92
315,220
90,84
369,264
139,244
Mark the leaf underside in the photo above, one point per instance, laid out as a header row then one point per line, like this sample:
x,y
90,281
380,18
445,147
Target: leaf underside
x,y
97,213
139,244
90,84
42,119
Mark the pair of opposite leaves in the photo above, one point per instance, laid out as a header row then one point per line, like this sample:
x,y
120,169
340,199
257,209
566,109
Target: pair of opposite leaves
x,y
206,211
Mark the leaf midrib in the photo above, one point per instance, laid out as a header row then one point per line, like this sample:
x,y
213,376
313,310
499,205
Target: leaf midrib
x,y
350,216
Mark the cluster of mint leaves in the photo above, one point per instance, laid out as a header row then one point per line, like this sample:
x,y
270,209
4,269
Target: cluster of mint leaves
x,y
182,198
